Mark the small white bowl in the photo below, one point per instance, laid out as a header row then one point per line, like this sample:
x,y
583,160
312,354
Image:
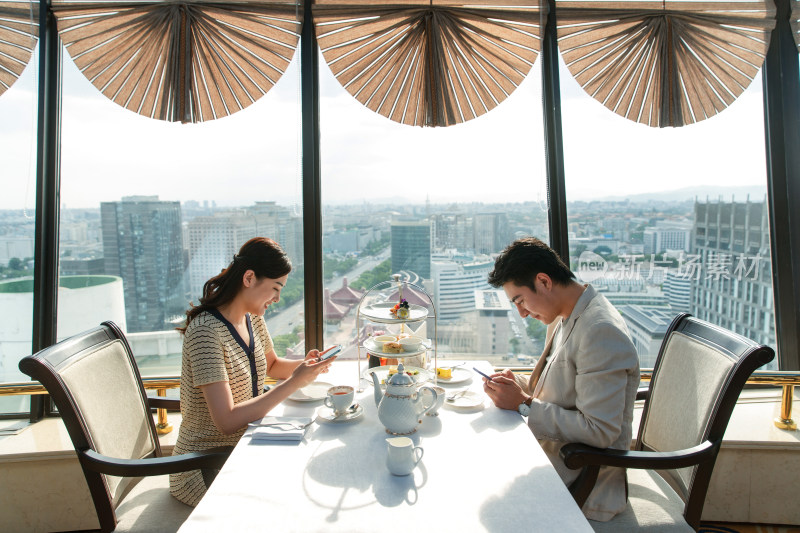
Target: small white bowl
x,y
384,338
411,344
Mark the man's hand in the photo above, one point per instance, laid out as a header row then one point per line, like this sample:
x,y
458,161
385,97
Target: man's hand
x,y
504,390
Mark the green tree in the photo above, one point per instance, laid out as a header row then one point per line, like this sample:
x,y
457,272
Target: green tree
x,y
15,263
535,329
368,278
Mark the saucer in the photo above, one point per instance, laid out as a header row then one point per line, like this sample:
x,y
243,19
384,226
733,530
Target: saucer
x,y
312,392
466,400
326,414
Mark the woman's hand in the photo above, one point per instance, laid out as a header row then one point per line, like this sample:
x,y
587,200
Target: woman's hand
x,y
308,370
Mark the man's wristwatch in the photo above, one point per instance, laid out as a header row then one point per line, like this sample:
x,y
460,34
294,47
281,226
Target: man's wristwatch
x,y
525,407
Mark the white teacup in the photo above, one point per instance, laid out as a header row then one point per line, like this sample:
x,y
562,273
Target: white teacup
x,y
339,399
402,456
427,399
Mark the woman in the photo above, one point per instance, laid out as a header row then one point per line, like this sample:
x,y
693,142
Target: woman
x,y
227,353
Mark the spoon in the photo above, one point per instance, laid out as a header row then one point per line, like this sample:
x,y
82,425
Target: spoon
x,y
458,394
350,410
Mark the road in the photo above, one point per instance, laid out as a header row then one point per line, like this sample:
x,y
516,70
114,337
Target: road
x,y
292,316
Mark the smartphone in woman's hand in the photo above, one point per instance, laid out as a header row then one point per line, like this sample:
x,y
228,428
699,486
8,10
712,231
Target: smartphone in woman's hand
x,y
330,352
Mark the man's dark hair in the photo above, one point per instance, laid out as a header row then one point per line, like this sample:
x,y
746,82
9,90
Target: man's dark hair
x,y
524,259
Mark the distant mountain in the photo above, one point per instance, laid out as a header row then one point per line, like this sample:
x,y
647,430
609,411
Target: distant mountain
x,y
701,192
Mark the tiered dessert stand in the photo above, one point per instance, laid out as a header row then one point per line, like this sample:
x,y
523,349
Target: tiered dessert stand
x,y
376,307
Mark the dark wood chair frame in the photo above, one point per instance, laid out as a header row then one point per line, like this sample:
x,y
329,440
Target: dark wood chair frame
x,y
748,356
42,365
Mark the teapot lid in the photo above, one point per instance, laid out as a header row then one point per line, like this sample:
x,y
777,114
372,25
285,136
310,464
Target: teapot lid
x,y
401,378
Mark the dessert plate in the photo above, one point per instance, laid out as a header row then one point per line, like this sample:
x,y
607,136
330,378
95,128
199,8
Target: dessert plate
x,y
376,348
420,375
382,313
311,392
459,375
465,400
326,414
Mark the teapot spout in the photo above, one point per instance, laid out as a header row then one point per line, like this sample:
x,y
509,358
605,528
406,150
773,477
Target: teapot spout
x,y
376,389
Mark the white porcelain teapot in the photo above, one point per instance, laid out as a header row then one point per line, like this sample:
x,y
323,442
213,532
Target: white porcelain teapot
x,y
400,409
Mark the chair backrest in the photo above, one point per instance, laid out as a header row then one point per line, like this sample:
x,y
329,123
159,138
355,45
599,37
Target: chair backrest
x,y
95,384
699,373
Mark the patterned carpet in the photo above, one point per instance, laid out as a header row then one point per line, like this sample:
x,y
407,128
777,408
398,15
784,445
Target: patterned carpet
x,y
723,527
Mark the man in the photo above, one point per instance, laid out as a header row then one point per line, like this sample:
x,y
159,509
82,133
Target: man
x,y
583,387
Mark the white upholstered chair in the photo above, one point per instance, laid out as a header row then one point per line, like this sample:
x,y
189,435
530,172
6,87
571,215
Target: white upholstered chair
x,y
699,373
95,383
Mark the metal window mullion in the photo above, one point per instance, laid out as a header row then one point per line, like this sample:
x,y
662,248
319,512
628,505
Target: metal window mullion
x,y
48,169
781,83
553,138
312,208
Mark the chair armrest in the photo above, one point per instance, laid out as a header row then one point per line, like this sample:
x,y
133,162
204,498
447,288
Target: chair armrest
x,y
154,466
579,455
162,402
642,393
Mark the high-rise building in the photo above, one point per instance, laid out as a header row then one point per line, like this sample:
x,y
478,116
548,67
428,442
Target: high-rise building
x,y
213,241
143,244
667,236
492,232
451,231
455,281
678,290
731,268
411,247
493,325
647,325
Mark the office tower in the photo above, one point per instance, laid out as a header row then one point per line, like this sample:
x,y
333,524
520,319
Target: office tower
x,y
731,268
455,281
143,244
493,326
667,236
647,325
411,247
213,241
451,231
491,232
678,290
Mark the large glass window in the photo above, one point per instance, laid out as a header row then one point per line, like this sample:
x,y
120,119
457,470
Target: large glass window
x,y
153,209
17,221
671,220
432,205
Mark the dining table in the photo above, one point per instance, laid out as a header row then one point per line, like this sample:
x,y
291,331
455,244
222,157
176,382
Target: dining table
x,y
481,469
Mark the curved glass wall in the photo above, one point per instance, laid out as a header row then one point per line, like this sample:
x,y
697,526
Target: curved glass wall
x,y
18,116
160,207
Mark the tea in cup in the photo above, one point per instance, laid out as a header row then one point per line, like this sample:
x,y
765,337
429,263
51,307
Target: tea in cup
x,y
402,456
339,399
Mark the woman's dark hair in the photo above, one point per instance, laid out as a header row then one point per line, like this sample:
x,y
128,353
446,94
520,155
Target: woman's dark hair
x,y
263,256
523,260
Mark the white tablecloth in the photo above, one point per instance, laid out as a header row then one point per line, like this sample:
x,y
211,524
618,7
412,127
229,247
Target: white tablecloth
x,y
482,470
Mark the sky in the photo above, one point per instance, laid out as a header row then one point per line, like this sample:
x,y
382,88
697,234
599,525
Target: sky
x,y
255,154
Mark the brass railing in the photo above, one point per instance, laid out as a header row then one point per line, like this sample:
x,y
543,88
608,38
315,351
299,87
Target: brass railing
x,y
786,380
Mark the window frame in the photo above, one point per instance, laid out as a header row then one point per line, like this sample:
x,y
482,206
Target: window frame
x,y
781,82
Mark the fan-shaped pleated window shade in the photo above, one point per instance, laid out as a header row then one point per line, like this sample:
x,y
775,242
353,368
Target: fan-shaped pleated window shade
x,y
186,61
429,63
19,26
664,63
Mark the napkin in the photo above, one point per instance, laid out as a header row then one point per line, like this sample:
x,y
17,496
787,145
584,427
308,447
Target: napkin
x,y
268,428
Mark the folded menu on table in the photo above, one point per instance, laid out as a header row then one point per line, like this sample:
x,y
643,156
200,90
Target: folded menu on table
x,y
291,428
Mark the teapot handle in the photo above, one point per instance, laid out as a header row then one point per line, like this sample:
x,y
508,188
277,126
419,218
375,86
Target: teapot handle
x,y
433,403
